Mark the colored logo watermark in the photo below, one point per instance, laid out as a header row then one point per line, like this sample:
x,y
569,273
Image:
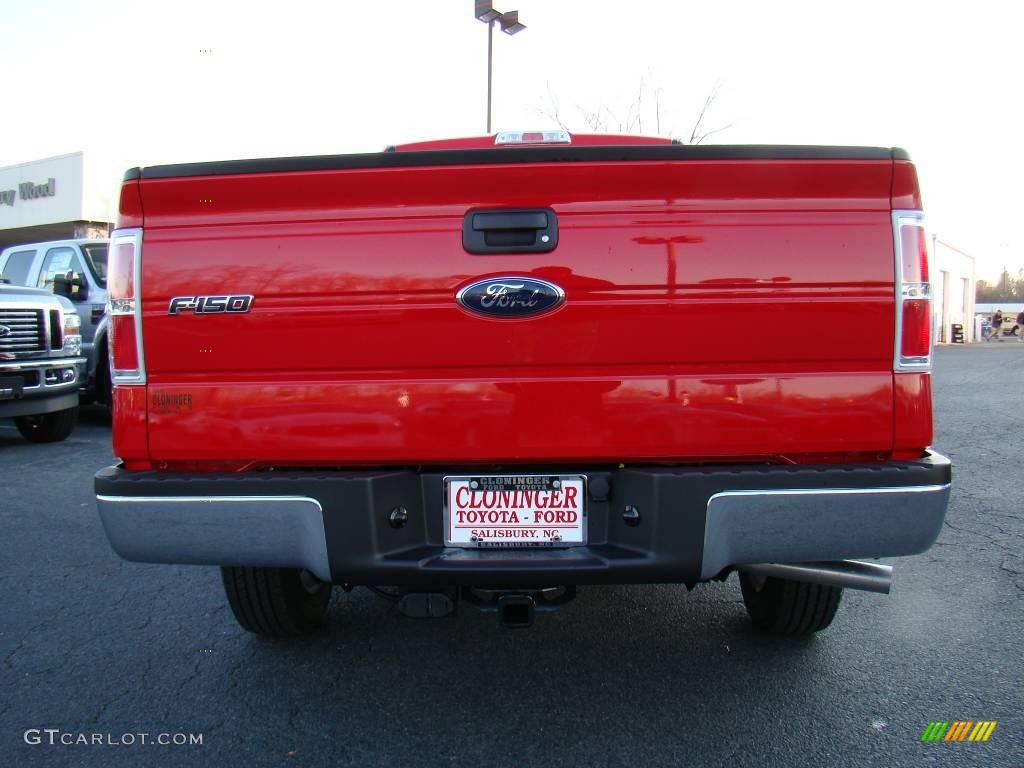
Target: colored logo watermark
x,y
958,730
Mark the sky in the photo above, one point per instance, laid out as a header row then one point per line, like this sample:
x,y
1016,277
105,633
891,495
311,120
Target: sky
x,y
143,83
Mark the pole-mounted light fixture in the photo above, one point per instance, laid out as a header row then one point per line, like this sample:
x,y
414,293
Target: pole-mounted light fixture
x,y
510,23
484,11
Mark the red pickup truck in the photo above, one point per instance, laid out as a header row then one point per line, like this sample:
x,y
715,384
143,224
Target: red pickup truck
x,y
495,369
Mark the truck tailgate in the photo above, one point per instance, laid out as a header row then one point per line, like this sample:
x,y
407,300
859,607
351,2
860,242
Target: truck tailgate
x,y
714,308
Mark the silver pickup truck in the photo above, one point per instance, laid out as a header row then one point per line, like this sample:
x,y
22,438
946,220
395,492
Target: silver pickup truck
x,y
41,363
76,270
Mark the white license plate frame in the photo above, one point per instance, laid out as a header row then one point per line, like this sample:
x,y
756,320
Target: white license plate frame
x,y
458,529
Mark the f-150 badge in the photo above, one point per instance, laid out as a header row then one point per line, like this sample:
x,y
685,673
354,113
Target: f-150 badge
x,y
510,298
209,305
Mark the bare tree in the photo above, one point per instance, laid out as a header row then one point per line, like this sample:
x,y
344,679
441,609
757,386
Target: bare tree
x,y
597,120
603,119
657,111
1008,288
699,132
554,113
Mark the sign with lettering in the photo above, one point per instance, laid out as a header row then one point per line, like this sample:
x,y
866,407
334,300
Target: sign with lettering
x,y
29,191
52,191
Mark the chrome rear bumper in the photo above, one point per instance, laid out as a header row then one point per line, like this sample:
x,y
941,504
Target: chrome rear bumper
x,y
694,523
809,524
273,531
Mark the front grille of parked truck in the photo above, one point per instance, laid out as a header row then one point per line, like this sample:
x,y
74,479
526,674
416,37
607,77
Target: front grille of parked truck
x,y
21,330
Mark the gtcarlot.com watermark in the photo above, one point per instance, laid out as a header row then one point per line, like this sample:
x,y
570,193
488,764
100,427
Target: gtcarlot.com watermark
x,y
57,737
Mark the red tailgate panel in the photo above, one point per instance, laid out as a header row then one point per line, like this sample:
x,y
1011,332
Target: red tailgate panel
x,y
712,309
468,421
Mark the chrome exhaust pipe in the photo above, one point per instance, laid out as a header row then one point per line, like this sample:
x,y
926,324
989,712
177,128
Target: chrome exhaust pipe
x,y
854,574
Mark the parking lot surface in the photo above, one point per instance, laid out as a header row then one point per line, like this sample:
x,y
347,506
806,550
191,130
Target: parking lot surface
x,y
624,676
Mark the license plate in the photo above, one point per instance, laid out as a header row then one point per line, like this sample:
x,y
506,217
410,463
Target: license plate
x,y
517,511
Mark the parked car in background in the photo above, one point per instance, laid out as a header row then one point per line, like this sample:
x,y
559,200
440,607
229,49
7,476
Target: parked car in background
x,y
40,362
1007,328
76,270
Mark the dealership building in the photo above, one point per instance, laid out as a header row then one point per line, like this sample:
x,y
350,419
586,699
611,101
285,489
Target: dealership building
x,y
56,198
954,282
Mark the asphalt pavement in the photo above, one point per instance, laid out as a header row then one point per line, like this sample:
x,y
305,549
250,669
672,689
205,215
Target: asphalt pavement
x,y
624,676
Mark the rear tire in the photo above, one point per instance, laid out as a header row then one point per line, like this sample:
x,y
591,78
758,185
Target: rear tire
x,y
276,602
47,427
787,607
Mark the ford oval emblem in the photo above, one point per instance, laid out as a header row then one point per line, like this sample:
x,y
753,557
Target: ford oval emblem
x,y
509,298
4,331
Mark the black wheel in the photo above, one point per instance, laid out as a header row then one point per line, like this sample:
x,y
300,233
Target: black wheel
x,y
104,389
278,602
47,427
786,607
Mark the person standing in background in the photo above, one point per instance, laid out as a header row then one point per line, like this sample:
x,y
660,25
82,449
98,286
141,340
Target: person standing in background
x,y
997,326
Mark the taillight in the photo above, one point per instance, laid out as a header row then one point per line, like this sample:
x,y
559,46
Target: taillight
x,y
915,340
913,292
127,363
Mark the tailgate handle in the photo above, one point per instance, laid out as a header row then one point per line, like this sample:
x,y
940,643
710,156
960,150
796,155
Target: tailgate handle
x,y
507,230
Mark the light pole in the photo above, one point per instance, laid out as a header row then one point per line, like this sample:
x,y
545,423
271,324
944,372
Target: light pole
x,y
485,12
